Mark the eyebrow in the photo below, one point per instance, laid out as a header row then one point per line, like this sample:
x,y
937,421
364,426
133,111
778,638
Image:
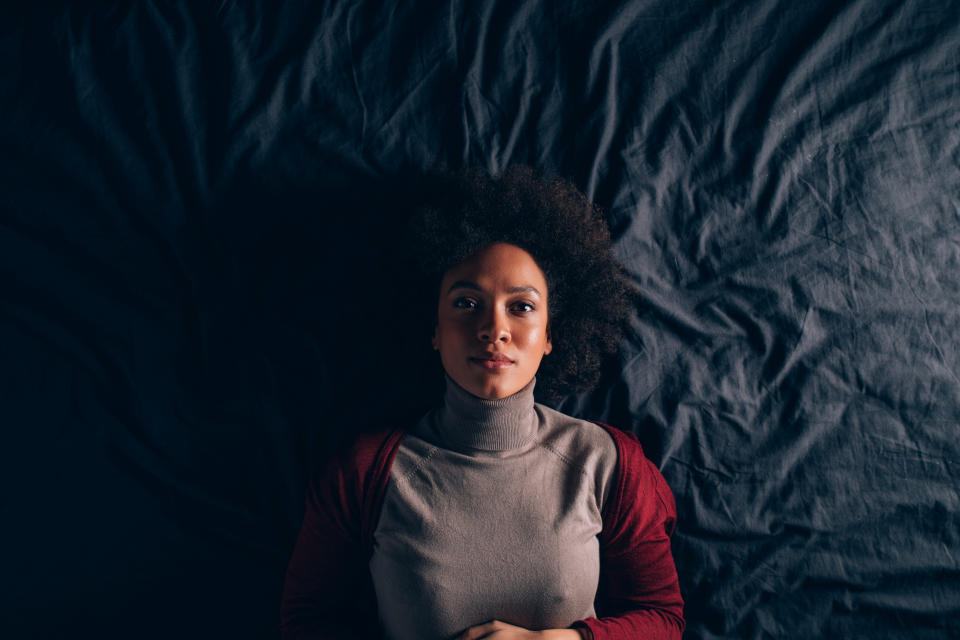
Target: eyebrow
x,y
466,284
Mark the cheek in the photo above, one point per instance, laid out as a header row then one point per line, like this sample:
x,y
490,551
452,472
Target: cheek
x,y
533,337
449,335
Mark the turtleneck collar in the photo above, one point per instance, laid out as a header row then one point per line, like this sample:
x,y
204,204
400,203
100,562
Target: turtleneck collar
x,y
466,422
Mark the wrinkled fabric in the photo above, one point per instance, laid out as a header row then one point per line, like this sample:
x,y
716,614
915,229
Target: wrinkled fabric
x,y
195,204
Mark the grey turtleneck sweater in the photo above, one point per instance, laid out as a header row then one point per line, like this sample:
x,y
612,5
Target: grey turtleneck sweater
x,y
491,512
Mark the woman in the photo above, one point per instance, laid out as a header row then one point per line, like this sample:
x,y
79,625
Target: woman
x,y
496,516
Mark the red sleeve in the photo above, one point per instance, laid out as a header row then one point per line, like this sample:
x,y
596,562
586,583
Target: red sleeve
x,y
639,594
328,592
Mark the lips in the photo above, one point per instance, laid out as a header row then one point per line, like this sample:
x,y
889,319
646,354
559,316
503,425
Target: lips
x,y
494,357
493,361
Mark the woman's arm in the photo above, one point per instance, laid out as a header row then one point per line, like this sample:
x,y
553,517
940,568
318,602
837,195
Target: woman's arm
x,y
328,592
639,593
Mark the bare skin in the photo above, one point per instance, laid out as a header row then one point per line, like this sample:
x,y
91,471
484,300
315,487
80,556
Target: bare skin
x,y
493,305
497,630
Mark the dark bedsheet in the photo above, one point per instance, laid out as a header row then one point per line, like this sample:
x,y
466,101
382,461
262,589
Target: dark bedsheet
x,y
197,206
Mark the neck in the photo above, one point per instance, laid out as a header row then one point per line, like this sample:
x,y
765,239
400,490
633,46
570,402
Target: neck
x,y
467,422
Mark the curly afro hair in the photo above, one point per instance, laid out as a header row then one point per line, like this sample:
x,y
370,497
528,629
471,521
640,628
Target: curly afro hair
x,y
589,292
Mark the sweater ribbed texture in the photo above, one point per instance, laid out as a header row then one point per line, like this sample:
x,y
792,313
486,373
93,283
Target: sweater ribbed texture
x,y
467,423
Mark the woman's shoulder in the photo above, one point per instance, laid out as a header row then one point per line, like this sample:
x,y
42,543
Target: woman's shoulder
x,y
640,493
621,466
351,483
362,453
583,445
575,435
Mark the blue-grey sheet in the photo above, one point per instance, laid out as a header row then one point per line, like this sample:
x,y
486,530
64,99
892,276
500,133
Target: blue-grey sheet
x,y
198,205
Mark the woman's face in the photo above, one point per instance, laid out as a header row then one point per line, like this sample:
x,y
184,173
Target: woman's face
x,y
492,328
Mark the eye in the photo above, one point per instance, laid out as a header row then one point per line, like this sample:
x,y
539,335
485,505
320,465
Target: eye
x,y
524,307
464,303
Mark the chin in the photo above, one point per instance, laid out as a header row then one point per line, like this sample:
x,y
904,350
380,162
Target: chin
x,y
489,386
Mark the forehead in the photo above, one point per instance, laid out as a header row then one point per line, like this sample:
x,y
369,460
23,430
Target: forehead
x,y
499,264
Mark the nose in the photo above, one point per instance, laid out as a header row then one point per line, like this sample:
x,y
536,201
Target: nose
x,y
494,327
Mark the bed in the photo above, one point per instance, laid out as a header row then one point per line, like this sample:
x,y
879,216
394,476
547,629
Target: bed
x,y
197,205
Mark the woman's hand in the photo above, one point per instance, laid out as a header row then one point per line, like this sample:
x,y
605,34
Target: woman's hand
x,y
496,630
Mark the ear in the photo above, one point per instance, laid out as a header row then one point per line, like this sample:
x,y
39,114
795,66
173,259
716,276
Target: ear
x,y
549,346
